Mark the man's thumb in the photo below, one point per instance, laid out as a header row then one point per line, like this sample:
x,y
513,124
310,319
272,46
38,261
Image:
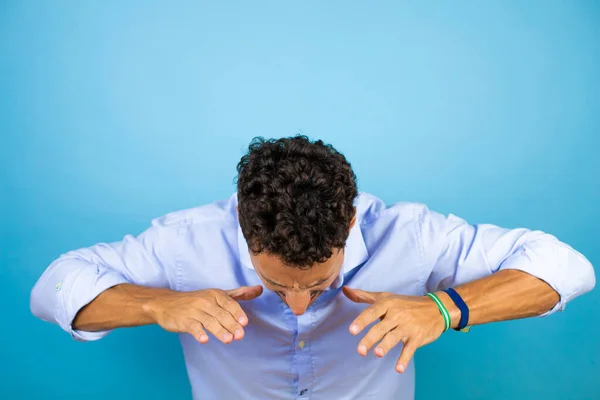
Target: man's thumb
x,y
245,292
360,296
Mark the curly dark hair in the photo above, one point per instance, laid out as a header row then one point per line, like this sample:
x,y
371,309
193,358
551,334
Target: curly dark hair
x,y
295,199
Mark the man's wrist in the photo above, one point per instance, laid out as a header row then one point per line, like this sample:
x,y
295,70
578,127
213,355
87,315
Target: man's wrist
x,y
453,310
146,300
149,308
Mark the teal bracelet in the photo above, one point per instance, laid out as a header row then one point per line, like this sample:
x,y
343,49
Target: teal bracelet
x,y
442,309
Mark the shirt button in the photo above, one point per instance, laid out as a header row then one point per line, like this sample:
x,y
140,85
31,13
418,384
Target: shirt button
x,y
301,344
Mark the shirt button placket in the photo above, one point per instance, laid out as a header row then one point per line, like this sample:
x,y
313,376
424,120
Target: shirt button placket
x,y
305,370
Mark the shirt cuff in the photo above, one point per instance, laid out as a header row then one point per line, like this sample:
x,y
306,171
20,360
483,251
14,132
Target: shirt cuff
x,y
546,265
79,289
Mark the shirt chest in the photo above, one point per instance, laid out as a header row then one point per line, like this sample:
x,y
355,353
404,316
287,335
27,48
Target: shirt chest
x,y
306,356
311,356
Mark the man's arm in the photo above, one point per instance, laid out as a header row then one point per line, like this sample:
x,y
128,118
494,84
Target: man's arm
x,y
78,277
505,295
121,306
501,274
457,254
129,305
90,291
416,320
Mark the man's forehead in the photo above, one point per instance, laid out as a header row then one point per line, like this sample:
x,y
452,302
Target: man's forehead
x,y
272,260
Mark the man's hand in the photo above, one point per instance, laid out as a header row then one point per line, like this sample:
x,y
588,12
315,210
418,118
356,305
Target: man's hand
x,y
213,310
412,320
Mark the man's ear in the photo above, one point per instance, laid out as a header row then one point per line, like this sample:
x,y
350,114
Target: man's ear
x,y
353,221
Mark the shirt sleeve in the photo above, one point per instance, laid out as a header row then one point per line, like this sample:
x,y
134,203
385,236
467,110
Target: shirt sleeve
x,y
458,252
78,277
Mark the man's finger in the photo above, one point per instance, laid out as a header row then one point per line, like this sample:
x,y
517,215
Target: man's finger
x,y
390,340
375,334
234,308
197,331
213,326
360,296
245,292
367,317
407,354
226,320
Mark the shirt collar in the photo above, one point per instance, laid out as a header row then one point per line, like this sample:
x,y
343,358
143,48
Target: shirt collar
x,y
355,253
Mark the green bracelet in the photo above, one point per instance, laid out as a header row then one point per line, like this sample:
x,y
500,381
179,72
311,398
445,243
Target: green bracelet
x,y
442,309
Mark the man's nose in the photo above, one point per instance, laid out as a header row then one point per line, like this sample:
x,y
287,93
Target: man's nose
x,y
298,302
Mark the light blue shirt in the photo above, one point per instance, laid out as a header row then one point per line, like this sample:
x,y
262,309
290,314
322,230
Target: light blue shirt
x,y
404,248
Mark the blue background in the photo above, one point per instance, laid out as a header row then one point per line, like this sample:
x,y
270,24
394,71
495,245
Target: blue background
x,y
113,113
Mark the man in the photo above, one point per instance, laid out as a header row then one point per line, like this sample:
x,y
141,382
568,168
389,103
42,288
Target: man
x,y
351,287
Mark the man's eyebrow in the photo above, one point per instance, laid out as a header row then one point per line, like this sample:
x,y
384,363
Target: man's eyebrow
x,y
270,281
319,282
284,286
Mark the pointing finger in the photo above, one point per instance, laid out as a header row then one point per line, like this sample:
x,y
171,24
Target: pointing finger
x,y
367,317
245,292
360,296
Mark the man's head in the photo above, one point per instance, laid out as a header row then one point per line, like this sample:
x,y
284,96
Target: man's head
x,y
295,206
